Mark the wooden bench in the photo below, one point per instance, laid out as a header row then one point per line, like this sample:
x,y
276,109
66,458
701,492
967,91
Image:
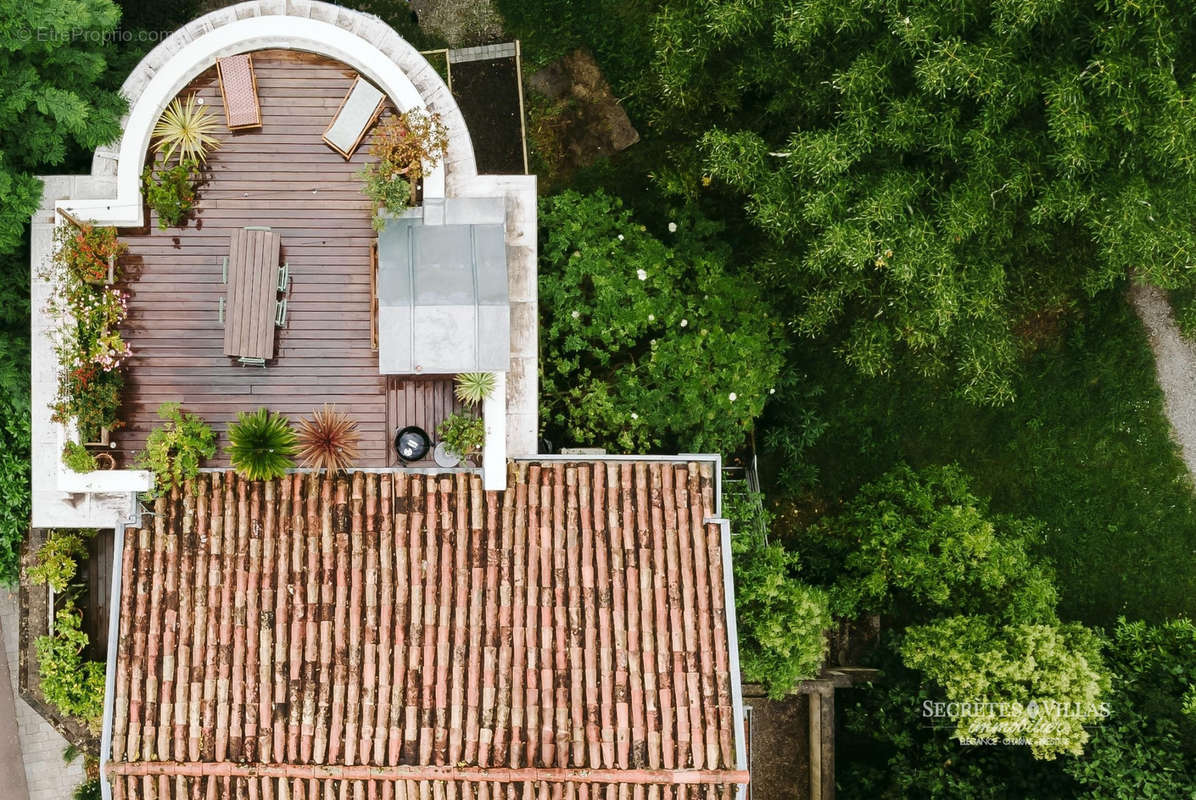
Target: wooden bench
x,y
252,308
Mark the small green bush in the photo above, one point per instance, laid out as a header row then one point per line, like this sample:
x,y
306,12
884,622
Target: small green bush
x,y
462,434
88,790
74,686
261,445
57,559
782,622
77,458
171,192
174,450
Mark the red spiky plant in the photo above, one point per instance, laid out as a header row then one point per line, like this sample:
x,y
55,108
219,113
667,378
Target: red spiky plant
x,y
327,440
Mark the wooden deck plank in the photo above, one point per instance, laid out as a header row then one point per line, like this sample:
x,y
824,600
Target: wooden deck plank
x,y
282,176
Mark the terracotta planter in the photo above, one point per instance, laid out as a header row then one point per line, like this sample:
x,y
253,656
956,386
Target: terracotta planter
x,y
105,461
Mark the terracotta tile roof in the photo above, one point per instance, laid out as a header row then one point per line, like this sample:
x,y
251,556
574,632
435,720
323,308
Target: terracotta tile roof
x,y
409,635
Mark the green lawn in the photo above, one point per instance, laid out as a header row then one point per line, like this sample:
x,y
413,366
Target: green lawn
x,y
1085,448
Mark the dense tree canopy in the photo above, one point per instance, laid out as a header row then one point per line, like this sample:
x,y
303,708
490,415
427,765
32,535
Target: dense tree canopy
x,y
1038,683
1146,750
920,544
934,175
52,62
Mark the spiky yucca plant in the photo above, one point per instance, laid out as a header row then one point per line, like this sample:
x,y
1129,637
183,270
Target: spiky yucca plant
x,y
327,440
261,445
187,128
474,387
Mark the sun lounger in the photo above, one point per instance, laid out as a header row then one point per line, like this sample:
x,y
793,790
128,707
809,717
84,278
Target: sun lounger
x,y
238,88
358,111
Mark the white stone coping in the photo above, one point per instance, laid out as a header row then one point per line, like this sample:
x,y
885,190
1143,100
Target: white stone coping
x,y
362,41
100,480
494,452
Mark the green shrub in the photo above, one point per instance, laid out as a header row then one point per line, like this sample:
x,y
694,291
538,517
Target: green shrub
x,y
88,790
1044,672
15,418
174,450
74,686
58,558
78,458
171,192
647,345
462,434
782,622
918,544
261,445
1147,747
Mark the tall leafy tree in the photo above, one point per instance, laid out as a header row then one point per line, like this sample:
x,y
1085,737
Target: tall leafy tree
x,y
1037,683
917,545
52,64
55,104
934,174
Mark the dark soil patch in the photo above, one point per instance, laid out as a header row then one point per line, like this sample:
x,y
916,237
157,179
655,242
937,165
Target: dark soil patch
x,y
573,118
488,94
780,746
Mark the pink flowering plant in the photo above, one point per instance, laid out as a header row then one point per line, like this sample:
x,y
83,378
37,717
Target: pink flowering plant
x,y
88,343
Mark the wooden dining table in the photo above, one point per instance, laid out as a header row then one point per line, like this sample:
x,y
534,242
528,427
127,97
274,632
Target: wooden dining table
x,y
252,294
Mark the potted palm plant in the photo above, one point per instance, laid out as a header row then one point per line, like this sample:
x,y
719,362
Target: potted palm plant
x,y
261,445
328,440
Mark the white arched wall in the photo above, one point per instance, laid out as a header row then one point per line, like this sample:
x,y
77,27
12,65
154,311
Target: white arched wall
x,y
358,40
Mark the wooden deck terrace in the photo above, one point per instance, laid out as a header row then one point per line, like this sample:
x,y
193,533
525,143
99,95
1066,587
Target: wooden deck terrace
x,y
281,175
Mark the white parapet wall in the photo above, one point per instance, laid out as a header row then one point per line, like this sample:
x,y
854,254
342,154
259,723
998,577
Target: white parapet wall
x,y
494,453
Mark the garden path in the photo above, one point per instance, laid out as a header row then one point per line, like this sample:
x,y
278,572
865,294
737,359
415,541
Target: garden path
x,y
1174,363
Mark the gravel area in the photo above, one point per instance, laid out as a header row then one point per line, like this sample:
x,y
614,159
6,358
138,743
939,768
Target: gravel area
x,y
1174,364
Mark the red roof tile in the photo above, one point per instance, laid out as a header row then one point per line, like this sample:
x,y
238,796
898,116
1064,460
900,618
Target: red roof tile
x,y
359,636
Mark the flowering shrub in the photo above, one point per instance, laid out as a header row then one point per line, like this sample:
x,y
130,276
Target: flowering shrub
x,y
85,251
91,397
644,344
88,343
403,145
